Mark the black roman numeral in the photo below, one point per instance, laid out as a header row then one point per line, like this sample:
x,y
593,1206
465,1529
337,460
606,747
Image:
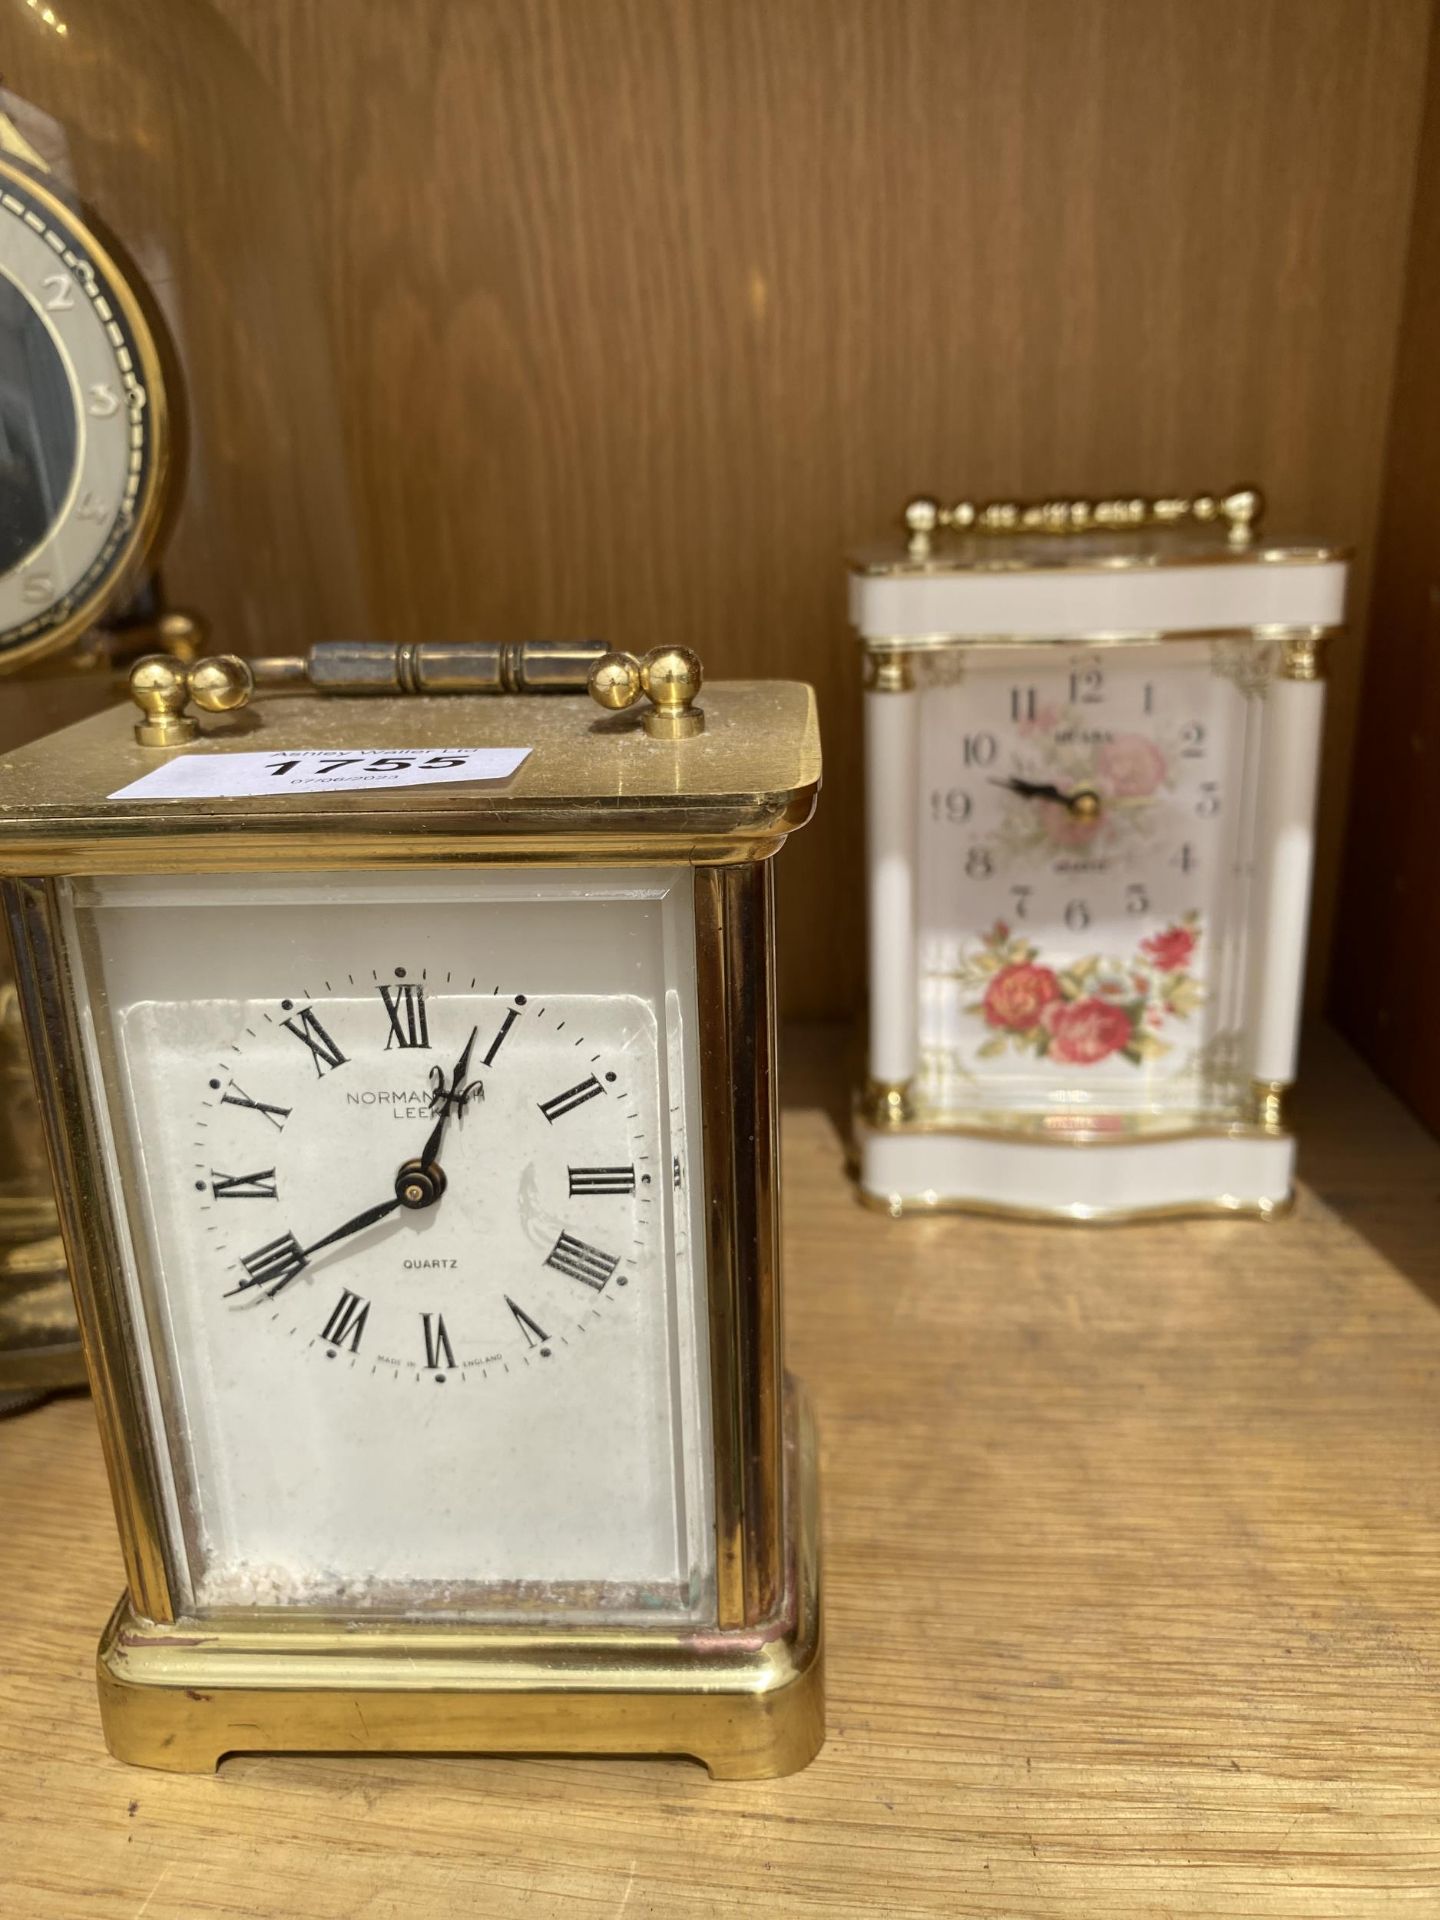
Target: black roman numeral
x,y
437,1342
572,1097
602,1180
535,1334
571,1256
277,1116
347,1321
323,1049
274,1265
244,1186
409,1024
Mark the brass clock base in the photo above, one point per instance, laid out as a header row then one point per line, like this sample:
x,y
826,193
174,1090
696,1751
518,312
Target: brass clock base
x,y
748,1702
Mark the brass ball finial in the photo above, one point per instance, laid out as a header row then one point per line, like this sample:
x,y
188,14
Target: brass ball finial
x,y
181,633
160,687
615,681
1243,509
221,683
672,677
922,517
669,677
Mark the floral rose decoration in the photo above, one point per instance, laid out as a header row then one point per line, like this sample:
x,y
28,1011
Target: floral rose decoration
x,y
1170,950
1084,1031
1130,766
1090,1009
1018,996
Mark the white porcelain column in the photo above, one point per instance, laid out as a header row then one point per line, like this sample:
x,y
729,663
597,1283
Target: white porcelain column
x,y
1284,864
892,741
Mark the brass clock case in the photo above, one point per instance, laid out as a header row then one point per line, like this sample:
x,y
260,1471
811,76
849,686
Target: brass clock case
x,y
742,1691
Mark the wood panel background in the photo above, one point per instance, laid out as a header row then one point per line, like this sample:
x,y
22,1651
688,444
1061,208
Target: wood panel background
x,y
1388,928
642,311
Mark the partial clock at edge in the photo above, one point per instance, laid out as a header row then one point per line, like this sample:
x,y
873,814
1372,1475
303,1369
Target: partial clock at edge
x,y
86,421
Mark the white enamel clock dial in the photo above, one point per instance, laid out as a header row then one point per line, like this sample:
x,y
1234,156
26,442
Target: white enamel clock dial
x,y
409,1165
82,420
1083,854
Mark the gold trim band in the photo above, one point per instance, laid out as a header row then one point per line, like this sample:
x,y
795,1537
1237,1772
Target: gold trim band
x,y
884,563
1040,1130
1301,640
898,1205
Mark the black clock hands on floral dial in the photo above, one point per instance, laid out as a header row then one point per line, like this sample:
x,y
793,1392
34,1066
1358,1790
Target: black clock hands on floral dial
x,y
1084,802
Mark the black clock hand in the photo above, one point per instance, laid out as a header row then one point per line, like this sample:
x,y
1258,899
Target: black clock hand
x,y
357,1225
1030,789
1084,800
447,1096
275,1266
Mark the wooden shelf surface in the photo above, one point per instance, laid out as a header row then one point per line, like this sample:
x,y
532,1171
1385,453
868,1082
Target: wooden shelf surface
x,y
1133,1579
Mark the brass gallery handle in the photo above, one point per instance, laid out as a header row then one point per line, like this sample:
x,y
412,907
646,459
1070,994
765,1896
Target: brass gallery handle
x,y
164,687
1239,511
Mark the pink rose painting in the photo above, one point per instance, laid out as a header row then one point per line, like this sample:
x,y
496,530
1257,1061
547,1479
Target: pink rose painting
x,y
1129,766
1086,1011
1084,1031
1018,996
1170,950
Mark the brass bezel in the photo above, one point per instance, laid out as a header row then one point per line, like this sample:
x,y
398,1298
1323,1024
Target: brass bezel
x,y
157,371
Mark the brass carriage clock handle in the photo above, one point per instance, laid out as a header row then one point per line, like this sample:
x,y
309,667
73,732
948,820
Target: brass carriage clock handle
x,y
165,688
669,677
1240,511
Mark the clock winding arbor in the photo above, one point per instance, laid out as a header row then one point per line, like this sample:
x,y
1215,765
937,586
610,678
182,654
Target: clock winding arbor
x,y
1092,736
417,1160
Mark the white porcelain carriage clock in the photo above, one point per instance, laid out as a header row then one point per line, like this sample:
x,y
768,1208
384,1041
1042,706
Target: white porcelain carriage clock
x,y
416,1155
1092,739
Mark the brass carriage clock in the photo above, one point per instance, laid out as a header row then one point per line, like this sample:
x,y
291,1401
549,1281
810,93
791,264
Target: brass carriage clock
x,y
416,1156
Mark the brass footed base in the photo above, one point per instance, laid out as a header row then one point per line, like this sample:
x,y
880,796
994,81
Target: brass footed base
x,y
749,1703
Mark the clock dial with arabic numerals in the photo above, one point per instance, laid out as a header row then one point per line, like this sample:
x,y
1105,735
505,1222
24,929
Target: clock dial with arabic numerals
x,y
408,1164
1082,865
84,427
